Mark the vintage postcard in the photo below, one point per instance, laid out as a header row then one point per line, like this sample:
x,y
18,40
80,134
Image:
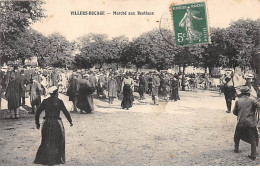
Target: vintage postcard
x,y
129,82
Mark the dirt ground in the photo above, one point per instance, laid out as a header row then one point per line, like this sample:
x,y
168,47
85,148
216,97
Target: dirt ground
x,y
193,131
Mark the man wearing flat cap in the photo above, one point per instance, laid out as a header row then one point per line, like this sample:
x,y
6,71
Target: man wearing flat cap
x,y
245,110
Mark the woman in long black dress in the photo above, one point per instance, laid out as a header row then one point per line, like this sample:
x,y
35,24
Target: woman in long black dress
x,y
52,148
128,96
174,89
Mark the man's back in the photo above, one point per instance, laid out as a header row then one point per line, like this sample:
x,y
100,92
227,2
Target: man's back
x,y
92,80
74,84
245,108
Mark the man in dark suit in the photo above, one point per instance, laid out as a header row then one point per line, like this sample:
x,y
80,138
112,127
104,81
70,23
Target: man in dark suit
x,y
23,81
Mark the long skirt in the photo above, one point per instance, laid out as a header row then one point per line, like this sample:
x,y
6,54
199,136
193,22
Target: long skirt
x,y
128,97
52,148
175,95
85,100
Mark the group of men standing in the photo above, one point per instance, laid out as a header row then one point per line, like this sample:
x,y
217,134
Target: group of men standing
x,y
17,84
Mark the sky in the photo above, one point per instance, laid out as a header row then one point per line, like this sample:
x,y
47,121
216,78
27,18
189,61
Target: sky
x,y
220,14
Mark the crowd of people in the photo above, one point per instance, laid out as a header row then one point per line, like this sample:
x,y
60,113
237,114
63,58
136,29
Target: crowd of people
x,y
80,86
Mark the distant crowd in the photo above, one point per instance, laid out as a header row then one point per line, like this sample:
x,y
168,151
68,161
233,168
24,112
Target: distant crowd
x,y
79,85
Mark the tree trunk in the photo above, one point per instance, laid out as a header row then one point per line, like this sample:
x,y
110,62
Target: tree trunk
x,y
210,70
257,68
183,71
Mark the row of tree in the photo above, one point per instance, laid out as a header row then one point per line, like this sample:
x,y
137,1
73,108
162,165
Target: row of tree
x,y
234,46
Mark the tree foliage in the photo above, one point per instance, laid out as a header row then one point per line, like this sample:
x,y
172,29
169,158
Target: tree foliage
x,y
98,49
241,40
15,18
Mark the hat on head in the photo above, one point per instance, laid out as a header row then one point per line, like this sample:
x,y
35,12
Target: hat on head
x,y
52,89
244,89
249,76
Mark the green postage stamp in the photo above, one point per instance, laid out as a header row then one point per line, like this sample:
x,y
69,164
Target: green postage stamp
x,y
190,23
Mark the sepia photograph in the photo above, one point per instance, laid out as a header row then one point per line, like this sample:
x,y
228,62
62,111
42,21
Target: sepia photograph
x,y
129,83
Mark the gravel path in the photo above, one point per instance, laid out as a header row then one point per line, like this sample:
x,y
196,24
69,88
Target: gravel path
x,y
193,131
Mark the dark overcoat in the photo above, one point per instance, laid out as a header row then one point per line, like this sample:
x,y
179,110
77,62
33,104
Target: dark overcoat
x,y
13,93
